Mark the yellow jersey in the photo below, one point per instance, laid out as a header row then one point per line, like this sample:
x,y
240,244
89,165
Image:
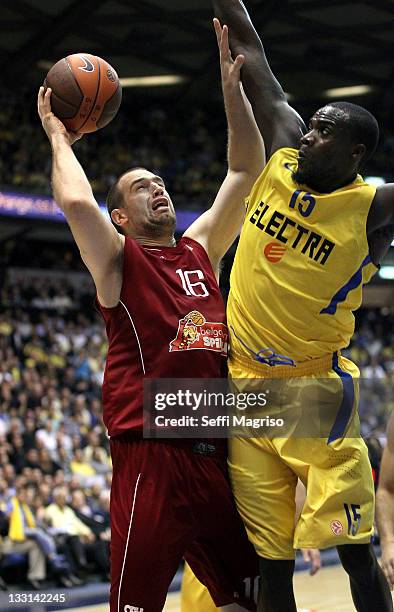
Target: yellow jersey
x,y
300,265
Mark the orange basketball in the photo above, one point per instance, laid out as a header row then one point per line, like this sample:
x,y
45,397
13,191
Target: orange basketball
x,y
197,317
86,93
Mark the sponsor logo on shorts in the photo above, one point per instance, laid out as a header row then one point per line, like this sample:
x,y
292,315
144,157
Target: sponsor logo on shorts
x,y
274,252
336,527
194,332
204,448
130,608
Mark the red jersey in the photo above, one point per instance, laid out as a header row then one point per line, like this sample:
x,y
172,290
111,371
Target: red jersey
x,y
169,323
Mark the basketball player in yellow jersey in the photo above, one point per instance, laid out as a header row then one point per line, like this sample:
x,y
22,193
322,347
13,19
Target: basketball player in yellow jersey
x,y
312,235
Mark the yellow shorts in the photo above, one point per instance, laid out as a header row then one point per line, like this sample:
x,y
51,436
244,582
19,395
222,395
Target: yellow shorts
x,y
339,505
195,596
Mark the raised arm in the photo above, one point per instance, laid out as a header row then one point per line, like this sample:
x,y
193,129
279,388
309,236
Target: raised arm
x,y
99,243
385,505
380,223
218,227
279,124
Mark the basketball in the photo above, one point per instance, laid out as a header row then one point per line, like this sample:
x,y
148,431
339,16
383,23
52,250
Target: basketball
x,y
86,93
197,317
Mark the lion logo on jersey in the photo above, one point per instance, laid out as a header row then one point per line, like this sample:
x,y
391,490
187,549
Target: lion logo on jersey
x,y
187,330
189,335
194,332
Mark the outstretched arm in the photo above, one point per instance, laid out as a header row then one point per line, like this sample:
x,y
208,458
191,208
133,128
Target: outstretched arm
x,y
279,124
380,222
385,505
100,245
218,227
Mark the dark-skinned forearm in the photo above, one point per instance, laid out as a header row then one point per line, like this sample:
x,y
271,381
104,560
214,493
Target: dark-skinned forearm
x,y
279,124
245,40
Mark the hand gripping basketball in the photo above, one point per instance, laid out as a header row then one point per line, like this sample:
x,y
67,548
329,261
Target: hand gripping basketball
x,y
52,125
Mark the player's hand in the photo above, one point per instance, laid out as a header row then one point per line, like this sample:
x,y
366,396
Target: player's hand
x,y
230,69
312,556
52,125
388,562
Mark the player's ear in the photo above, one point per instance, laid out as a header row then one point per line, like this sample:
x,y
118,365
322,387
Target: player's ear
x,y
119,216
359,152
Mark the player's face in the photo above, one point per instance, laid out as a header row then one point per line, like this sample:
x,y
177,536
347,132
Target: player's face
x,y
325,155
148,206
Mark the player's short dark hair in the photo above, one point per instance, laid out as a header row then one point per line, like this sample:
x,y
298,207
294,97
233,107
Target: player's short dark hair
x,y
363,127
114,197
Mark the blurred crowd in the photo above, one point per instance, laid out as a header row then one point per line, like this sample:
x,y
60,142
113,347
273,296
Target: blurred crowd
x,y
54,453
55,467
187,148
185,144
372,349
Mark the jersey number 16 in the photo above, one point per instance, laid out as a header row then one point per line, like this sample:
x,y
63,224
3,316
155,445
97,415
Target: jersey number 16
x,y
196,288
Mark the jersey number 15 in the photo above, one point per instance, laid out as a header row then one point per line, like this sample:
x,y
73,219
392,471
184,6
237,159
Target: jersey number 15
x,y
306,203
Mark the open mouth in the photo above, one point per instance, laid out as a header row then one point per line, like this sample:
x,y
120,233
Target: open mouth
x,y
301,155
160,204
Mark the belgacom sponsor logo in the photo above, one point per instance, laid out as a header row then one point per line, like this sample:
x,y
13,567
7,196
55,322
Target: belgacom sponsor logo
x,y
274,252
128,608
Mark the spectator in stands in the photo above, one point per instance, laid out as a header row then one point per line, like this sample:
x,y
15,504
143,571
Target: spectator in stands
x,y
64,522
374,371
80,466
32,458
17,456
103,509
97,551
94,497
9,474
46,463
29,433
46,437
20,521
95,454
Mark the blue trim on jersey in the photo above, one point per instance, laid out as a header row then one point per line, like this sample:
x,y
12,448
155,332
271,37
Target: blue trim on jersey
x,y
266,355
342,294
346,407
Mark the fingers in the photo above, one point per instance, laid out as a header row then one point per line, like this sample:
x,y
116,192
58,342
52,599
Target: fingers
x,y
224,46
44,101
239,62
40,100
315,561
47,99
218,30
74,136
222,39
312,556
388,568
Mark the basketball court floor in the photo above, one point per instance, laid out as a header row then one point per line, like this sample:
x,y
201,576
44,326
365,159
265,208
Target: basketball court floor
x,y
327,591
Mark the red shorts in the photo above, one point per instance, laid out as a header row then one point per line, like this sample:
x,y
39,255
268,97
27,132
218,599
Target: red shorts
x,y
170,501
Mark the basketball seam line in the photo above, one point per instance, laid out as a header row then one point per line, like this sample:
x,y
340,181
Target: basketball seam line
x,y
112,114
128,537
76,108
97,92
76,82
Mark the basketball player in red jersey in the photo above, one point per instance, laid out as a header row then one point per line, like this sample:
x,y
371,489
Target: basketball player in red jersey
x,y
169,499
